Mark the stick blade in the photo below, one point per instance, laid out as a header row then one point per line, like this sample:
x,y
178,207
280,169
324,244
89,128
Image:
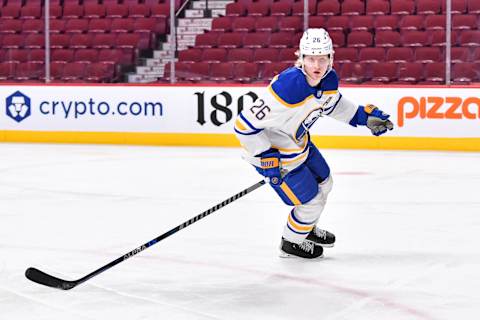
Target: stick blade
x,y
41,277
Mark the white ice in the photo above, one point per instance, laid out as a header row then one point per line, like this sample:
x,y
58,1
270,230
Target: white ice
x,y
407,227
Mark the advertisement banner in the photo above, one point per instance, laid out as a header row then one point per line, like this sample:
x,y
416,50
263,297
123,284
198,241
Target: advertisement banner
x,y
438,112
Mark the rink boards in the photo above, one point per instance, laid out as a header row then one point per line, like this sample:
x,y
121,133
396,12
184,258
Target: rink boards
x,y
425,118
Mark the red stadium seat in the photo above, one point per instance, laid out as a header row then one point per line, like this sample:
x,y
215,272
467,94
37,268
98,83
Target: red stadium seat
x,y
59,40
281,40
57,25
155,25
412,23
438,37
235,9
428,55
460,54
410,72
290,24
345,55
404,7
384,72
435,72
131,41
74,71
387,39
199,71
161,10
378,7
240,55
7,70
266,55
221,71
13,41
359,39
362,23
399,55
222,24
243,24
258,9
76,26
352,73
317,22
256,40
85,40
33,26
120,25
473,6
266,24
138,10
339,23
100,72
86,55
191,55
63,55
287,55
71,11
371,55
457,7
116,11
34,41
15,55
54,12
298,8
386,23
230,40
10,26
338,38
207,40
464,22
328,8
435,22
214,55
246,72
470,38
281,8
465,72
428,7
29,71
10,12
415,39
353,7
99,25
476,55
31,11
94,10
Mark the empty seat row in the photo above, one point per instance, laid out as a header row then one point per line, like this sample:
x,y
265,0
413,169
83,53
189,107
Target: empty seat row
x,y
4,3
63,72
87,11
345,23
406,54
77,41
433,73
112,56
239,55
116,25
467,38
351,7
240,72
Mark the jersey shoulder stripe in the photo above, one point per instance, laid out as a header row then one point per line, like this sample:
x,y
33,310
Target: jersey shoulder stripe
x,y
290,88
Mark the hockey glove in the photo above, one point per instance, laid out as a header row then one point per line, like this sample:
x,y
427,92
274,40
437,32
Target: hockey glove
x,y
270,164
377,120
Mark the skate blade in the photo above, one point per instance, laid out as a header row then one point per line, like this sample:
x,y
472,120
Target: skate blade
x,y
285,255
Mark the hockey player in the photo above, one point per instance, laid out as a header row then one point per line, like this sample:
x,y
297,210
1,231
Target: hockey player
x,y
274,134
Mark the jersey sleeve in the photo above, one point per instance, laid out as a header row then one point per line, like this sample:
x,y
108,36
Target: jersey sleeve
x,y
341,109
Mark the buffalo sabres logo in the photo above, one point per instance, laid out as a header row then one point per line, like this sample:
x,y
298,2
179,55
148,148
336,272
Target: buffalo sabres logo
x,y
18,106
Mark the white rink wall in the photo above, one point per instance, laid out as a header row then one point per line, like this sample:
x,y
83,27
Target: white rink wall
x,y
433,118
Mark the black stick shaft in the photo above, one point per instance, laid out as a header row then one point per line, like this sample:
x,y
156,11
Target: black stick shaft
x,y
45,279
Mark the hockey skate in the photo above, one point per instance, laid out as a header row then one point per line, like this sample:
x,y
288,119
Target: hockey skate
x,y
306,249
321,237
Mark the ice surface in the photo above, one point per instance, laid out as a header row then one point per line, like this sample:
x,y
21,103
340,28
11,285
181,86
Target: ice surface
x,y
407,227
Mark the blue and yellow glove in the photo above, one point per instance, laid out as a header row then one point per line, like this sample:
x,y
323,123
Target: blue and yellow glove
x,y
377,120
270,164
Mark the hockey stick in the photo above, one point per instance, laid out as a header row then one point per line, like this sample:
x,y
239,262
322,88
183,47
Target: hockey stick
x,y
41,277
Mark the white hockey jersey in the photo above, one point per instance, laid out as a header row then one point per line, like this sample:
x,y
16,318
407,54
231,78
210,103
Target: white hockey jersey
x,y
281,119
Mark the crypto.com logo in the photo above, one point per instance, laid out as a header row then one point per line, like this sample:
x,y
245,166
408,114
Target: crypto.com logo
x,y
18,106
